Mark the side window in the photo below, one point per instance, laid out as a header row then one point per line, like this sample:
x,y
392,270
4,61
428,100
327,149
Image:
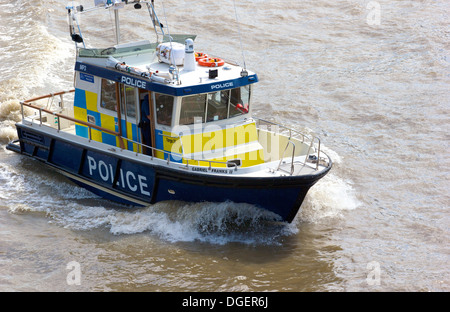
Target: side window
x,y
239,101
164,107
129,101
217,105
108,96
191,107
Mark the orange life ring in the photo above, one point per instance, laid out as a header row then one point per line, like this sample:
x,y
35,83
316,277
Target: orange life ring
x,y
200,55
211,62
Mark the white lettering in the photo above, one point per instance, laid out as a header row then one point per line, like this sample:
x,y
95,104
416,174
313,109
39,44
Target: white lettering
x,y
193,302
222,85
127,179
142,184
373,278
101,164
122,182
133,82
374,16
112,173
128,174
92,164
74,276
248,302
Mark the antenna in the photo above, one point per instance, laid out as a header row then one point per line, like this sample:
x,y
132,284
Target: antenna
x,y
171,58
244,71
116,19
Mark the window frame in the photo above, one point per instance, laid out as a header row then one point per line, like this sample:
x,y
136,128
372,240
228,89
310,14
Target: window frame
x,y
180,104
205,111
100,108
155,108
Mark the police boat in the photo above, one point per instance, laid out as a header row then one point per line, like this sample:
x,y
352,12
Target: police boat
x,y
154,121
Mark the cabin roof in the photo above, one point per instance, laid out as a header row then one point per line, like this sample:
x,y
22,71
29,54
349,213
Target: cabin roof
x,y
141,62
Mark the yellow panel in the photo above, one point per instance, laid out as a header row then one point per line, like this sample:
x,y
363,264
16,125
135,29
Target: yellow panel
x,y
130,136
91,101
125,143
159,155
171,144
108,122
250,129
129,131
96,135
215,140
251,158
80,113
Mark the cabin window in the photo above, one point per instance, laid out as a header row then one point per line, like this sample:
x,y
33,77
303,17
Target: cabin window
x,y
164,108
193,107
128,95
217,105
108,95
239,101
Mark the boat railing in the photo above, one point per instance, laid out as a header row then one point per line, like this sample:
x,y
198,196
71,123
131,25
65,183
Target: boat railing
x,y
292,160
180,156
58,115
291,133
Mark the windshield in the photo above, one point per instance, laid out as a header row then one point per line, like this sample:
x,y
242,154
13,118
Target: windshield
x,y
215,106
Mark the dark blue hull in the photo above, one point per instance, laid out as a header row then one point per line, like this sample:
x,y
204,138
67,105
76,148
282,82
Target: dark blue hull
x,y
125,180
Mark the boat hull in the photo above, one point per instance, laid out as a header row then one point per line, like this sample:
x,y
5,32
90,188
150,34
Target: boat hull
x,y
129,181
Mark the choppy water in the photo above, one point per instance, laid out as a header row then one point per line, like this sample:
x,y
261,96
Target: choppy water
x,y
371,78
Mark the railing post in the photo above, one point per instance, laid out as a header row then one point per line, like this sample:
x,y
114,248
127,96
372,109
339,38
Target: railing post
x,y
293,155
318,155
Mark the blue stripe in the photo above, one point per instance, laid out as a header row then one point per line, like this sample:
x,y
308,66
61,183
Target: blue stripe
x,y
82,131
80,98
166,89
108,138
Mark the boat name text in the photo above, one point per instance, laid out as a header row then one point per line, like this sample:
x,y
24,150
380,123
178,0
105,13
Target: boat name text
x,y
213,170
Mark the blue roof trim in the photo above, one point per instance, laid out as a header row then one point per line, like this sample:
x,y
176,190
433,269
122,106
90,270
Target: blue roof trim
x,y
174,90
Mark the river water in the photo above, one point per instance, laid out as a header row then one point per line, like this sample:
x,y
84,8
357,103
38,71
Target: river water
x,y
371,78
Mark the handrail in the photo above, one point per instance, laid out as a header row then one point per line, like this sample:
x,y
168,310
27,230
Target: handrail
x,y
293,154
117,134
290,135
66,117
281,126
318,151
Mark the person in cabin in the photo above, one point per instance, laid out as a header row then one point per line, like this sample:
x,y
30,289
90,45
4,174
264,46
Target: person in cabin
x,y
144,124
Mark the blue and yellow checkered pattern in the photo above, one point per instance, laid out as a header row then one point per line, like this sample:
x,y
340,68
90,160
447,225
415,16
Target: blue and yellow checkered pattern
x,y
86,105
236,139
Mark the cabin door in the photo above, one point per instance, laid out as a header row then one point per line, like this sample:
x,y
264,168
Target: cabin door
x,y
146,121
129,115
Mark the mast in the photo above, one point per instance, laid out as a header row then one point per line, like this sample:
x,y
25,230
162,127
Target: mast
x,y
116,17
